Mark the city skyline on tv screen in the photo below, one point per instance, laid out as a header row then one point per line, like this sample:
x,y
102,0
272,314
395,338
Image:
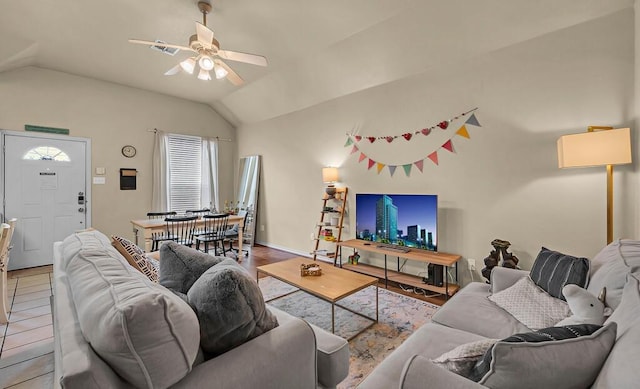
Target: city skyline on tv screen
x,y
404,220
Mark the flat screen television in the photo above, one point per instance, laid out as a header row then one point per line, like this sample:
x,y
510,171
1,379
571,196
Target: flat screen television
x,y
401,220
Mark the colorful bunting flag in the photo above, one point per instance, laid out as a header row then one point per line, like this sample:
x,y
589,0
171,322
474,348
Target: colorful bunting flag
x,y
463,132
473,121
407,169
434,157
448,145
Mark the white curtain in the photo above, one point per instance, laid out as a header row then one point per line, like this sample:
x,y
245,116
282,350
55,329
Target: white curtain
x,y
209,194
160,185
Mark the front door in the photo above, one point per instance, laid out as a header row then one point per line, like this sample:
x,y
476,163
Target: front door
x,y
45,188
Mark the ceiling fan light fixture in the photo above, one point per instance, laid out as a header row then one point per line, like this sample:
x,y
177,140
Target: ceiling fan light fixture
x,y
220,72
188,65
206,62
204,75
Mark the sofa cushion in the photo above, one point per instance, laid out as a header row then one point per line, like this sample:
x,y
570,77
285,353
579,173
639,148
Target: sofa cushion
x,y
430,341
610,267
470,310
142,330
461,359
531,305
547,358
229,306
620,370
135,256
553,270
181,266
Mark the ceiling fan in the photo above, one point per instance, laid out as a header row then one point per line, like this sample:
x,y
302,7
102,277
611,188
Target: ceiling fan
x,y
207,53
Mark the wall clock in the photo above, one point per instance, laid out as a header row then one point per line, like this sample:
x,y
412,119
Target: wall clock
x,y
129,151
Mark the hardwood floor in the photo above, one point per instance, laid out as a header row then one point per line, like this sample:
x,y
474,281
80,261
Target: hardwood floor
x,y
26,342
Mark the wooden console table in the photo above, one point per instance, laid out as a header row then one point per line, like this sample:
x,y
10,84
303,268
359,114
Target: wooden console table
x,y
437,258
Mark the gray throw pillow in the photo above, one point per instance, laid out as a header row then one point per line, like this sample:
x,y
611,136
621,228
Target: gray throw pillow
x,y
556,357
463,358
181,266
230,308
553,270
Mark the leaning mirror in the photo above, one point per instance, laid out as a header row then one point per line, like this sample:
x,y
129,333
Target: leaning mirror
x,y
247,193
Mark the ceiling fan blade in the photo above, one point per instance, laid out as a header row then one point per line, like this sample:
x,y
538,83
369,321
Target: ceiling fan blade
x,y
174,70
232,76
243,57
150,43
205,35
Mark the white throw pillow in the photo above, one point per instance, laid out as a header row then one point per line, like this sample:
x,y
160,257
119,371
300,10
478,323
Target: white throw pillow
x,y
531,305
461,359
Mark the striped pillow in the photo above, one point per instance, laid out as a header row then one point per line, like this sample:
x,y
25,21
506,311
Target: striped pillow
x,y
552,270
136,258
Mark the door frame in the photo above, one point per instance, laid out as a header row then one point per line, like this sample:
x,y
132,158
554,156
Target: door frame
x,y
87,164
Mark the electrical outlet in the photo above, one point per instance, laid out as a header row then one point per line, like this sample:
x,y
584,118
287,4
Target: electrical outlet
x,y
472,264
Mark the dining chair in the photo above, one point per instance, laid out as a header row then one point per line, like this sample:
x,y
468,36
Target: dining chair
x,y
158,237
180,229
216,227
6,233
232,234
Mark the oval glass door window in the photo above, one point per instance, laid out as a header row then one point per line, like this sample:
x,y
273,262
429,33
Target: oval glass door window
x,y
46,153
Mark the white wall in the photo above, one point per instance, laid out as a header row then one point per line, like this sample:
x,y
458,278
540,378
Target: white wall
x,y
502,183
112,116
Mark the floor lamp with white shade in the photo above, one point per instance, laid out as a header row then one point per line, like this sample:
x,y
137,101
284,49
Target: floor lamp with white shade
x,y
600,146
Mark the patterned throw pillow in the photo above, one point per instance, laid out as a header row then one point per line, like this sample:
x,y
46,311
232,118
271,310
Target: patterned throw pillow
x,y
556,357
531,305
136,258
463,358
553,270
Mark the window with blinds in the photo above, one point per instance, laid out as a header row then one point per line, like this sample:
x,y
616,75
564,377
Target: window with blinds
x,y
185,172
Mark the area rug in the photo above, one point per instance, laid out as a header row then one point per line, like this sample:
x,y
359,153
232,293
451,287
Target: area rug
x,y
398,317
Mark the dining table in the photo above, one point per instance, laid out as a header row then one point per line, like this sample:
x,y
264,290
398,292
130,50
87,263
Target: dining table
x,y
145,228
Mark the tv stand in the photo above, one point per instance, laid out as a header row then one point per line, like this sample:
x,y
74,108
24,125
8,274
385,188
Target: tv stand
x,y
437,258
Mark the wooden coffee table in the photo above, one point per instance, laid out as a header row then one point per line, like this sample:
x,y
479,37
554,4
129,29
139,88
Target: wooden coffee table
x,y
333,285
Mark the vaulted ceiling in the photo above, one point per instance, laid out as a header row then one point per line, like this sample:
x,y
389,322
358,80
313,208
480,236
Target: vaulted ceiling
x,y
317,51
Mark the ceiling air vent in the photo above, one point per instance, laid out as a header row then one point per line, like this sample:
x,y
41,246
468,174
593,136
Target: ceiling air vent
x,y
167,50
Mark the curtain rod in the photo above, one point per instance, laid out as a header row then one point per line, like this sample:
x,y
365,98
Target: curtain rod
x,y
155,131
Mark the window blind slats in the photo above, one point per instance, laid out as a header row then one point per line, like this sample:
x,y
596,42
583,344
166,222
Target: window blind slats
x,y
185,159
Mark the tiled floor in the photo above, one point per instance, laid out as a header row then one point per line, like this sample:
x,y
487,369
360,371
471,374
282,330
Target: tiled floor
x,y
26,342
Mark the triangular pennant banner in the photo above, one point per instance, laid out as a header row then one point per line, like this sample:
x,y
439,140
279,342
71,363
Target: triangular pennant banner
x,y
407,169
392,169
463,132
419,164
371,139
473,121
358,137
434,157
371,163
379,167
362,157
349,142
354,149
448,145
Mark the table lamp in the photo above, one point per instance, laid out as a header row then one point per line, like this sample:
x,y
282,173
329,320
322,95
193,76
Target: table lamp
x,y
599,146
330,176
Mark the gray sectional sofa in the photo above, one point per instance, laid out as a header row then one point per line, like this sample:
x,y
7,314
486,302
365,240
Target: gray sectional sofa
x,y
114,328
470,316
